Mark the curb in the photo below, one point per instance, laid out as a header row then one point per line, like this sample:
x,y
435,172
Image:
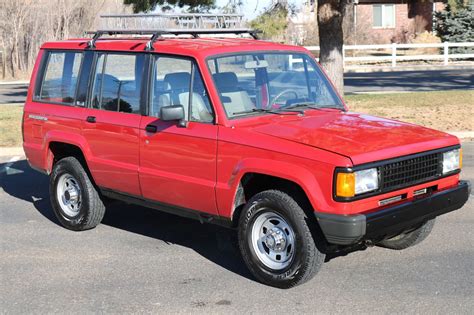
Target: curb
x,y
463,134
383,92
11,151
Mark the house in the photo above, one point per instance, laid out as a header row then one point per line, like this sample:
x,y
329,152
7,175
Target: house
x,y
372,21
379,21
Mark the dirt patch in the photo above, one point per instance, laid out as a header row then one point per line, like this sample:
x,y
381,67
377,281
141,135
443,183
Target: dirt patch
x,y
10,125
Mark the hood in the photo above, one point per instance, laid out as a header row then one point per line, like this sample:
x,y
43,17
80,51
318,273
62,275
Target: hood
x,y
362,138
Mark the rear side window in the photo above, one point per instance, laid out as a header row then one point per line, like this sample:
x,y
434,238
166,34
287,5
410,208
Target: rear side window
x,y
117,82
60,77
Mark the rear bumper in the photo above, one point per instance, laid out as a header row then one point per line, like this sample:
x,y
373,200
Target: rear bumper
x,y
375,226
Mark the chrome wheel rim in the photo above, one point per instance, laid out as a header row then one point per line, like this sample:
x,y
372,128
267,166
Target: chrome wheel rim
x,y
68,194
273,240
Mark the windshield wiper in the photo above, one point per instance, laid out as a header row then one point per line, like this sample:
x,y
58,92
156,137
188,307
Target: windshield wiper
x,y
262,110
311,105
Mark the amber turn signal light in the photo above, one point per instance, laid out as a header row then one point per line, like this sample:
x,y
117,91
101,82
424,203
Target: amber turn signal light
x,y
345,185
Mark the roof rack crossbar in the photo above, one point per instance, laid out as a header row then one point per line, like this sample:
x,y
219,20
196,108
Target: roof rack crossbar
x,y
157,34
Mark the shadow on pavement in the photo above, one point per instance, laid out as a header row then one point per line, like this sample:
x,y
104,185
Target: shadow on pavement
x,y
215,243
409,80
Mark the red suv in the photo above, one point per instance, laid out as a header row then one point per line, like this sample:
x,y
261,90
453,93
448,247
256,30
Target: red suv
x,y
239,132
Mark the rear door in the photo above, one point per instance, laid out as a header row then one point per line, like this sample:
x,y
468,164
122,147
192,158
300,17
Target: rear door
x,y
112,122
178,164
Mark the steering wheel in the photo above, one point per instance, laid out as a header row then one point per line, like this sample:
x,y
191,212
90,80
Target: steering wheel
x,y
281,94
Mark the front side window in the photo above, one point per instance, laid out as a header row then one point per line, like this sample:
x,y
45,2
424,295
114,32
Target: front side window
x,y
60,77
252,83
384,15
177,81
117,82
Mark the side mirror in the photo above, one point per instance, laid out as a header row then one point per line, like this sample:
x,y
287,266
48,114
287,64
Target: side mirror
x,y
173,112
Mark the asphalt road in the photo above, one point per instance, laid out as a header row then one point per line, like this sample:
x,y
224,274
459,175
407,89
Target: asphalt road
x,y
141,260
408,81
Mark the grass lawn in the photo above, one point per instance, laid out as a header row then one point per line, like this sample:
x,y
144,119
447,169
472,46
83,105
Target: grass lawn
x,y
446,110
10,125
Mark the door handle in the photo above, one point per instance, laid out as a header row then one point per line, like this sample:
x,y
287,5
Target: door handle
x,y
151,129
90,119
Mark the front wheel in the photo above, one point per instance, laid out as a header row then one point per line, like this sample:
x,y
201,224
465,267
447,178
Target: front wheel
x,y
276,240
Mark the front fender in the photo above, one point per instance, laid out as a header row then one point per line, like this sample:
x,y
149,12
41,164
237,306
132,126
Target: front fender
x,y
300,175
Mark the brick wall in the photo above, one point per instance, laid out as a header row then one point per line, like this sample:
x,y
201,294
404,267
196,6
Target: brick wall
x,y
410,19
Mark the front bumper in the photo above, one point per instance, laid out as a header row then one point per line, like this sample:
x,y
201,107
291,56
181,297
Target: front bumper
x,y
391,221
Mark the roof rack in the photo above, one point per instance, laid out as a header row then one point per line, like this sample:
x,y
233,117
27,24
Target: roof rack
x,y
173,20
158,25
158,34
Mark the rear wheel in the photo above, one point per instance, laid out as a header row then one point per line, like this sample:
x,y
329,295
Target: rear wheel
x,y
276,240
75,201
409,239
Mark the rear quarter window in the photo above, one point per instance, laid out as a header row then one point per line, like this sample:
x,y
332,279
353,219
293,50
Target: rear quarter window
x,y
59,77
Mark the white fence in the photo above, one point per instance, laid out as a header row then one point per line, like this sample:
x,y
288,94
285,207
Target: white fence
x,y
393,53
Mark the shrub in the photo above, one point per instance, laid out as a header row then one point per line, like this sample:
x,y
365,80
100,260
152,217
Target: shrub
x,y
426,38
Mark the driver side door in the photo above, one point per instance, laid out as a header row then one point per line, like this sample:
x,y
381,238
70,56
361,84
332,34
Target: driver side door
x,y
178,163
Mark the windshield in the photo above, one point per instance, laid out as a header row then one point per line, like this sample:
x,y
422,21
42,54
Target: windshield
x,y
262,83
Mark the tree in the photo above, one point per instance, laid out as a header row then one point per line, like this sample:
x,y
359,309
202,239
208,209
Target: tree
x,y
26,24
456,26
149,5
273,22
331,39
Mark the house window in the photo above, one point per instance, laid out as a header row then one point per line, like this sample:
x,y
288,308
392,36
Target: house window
x,y
384,15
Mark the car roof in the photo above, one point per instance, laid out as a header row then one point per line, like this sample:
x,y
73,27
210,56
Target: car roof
x,y
197,47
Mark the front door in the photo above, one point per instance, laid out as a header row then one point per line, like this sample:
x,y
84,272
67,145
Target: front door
x,y
178,164
113,121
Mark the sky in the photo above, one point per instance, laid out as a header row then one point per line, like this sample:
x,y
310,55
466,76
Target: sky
x,y
252,8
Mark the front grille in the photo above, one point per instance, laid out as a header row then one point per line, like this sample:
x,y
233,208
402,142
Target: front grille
x,y
411,171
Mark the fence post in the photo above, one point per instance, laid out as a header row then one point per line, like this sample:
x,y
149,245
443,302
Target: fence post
x,y
446,53
394,55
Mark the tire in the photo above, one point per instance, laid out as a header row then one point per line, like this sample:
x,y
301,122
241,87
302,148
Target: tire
x,y
75,200
409,239
270,222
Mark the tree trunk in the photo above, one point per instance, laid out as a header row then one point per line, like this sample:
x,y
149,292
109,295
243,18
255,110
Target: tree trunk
x,y
331,39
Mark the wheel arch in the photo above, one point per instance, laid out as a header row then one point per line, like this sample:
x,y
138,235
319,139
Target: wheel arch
x,y
253,182
59,145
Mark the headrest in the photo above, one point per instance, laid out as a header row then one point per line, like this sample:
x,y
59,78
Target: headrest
x,y
178,80
226,79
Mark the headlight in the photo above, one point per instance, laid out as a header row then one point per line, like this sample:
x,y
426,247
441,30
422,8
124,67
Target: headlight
x,y
356,183
452,161
366,180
